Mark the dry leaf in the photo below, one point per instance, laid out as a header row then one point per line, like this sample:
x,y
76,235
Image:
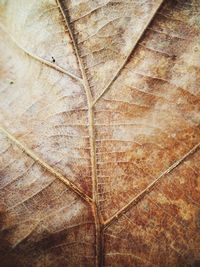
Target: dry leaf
x,y
99,112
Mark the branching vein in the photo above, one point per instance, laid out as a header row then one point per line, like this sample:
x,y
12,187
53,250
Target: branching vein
x,y
92,138
43,61
100,226
141,195
51,170
130,53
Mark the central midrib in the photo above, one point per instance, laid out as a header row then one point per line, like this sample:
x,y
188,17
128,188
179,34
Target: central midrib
x,y
96,214
99,224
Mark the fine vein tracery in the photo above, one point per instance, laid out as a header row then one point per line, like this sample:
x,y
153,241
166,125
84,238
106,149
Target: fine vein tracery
x,y
98,245
43,61
99,223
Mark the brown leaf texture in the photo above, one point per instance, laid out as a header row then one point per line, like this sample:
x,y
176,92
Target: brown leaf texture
x,y
99,133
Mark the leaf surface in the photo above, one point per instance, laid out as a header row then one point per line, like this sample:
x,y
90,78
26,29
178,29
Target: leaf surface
x,y
99,113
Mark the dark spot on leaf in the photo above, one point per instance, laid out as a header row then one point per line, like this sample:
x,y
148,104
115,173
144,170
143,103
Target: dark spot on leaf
x,y
174,57
53,59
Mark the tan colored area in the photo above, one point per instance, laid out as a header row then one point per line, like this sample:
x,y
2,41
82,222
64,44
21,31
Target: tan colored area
x,y
99,133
